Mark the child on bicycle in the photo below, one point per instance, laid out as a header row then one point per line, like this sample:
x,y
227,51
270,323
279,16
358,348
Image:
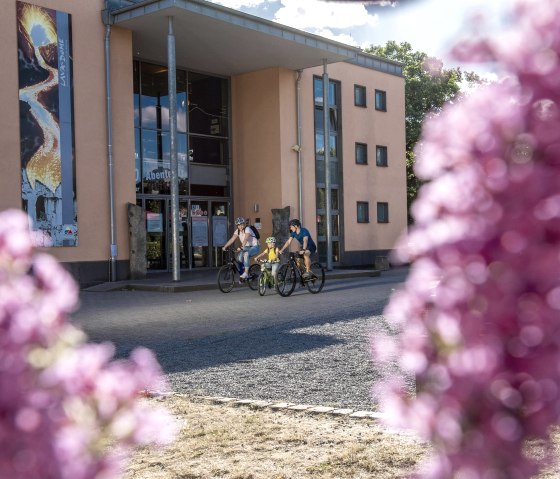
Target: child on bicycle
x,y
307,244
249,244
272,255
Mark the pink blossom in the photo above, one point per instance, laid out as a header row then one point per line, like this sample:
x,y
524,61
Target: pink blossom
x,y
63,401
477,317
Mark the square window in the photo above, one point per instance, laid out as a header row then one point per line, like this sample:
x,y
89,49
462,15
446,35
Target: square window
x,y
360,95
383,212
381,155
380,100
361,154
363,211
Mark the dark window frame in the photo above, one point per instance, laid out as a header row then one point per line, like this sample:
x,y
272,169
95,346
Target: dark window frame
x,y
360,216
363,91
380,100
357,146
381,159
383,208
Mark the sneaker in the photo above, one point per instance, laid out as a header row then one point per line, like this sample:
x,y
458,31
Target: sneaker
x,y
244,276
306,275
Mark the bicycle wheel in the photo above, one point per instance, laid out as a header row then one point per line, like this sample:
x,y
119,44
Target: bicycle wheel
x,y
254,274
285,280
262,284
226,278
317,281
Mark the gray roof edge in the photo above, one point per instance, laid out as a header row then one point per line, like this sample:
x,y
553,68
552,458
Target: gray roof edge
x,y
381,64
238,18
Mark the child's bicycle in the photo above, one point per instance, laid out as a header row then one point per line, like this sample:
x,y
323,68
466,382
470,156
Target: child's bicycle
x,y
292,272
266,278
230,270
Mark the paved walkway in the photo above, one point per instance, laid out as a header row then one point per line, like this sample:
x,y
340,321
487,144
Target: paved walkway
x,y
200,280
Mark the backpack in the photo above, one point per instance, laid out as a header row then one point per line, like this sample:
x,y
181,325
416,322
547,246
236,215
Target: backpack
x,y
255,232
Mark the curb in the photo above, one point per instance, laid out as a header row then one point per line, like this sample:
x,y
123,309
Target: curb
x,y
186,288
276,406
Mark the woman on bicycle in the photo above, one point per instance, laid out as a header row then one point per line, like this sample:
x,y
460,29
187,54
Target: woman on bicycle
x,y
272,255
249,244
307,244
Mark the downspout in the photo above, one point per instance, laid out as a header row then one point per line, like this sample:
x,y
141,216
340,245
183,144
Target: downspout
x,y
298,144
327,155
113,251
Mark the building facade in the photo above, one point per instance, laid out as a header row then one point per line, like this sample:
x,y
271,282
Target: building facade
x,y
249,133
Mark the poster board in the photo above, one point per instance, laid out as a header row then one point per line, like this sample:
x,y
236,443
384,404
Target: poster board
x,y
219,230
199,230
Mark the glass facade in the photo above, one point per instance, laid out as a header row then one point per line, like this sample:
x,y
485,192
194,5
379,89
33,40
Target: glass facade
x,y
335,162
203,155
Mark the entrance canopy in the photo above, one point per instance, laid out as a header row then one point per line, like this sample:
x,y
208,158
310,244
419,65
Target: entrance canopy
x,y
219,40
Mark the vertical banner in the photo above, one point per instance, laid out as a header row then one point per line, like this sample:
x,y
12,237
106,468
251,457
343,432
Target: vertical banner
x,y
47,122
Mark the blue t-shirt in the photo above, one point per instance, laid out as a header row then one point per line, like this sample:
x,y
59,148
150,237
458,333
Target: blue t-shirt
x,y
303,232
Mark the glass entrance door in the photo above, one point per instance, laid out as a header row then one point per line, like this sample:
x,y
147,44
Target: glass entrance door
x,y
203,230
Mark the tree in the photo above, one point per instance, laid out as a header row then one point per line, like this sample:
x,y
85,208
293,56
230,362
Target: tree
x,y
428,86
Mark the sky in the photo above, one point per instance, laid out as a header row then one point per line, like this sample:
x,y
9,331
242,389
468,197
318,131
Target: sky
x,y
430,26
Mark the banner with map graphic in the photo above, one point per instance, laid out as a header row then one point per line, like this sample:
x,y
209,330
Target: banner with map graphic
x,y
47,122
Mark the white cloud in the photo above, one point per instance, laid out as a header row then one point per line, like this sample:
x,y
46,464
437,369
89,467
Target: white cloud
x,y
317,14
340,37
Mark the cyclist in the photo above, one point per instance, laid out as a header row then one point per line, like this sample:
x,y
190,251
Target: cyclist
x,y
249,244
307,244
272,255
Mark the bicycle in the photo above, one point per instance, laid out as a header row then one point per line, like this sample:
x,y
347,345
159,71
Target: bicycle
x,y
292,272
266,278
228,272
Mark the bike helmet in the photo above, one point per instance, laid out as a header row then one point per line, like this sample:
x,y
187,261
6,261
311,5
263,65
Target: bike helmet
x,y
295,223
270,239
240,220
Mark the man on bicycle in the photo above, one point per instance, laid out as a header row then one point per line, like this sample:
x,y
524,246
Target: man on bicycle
x,y
307,244
249,244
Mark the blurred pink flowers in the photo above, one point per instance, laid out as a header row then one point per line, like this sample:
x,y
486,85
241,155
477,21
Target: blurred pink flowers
x,y
484,340
66,410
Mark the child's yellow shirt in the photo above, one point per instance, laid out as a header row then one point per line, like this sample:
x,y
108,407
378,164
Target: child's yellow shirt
x,y
272,254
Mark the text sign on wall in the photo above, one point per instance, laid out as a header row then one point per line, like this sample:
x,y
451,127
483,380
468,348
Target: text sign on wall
x,y
47,122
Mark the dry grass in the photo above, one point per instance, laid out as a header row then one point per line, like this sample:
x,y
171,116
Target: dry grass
x,y
222,441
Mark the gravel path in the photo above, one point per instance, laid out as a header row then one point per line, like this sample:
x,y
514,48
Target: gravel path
x,y
326,364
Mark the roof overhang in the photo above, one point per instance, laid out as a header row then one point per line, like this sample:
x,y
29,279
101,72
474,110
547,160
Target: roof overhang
x,y
219,40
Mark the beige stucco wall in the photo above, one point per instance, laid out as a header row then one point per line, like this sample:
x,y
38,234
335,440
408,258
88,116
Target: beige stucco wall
x,y
256,145
88,34
363,182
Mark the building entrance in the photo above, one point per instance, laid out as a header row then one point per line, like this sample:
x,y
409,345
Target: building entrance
x,y
203,230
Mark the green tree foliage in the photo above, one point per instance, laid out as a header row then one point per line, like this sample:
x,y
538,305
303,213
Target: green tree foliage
x,y
428,86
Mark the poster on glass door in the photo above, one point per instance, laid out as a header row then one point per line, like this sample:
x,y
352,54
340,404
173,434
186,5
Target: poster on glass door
x,y
219,230
199,230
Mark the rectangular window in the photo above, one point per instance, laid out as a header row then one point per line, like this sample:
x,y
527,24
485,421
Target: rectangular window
x,y
360,95
363,211
383,212
381,155
361,154
380,100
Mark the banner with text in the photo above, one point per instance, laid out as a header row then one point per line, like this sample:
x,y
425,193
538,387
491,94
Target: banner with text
x,y
47,122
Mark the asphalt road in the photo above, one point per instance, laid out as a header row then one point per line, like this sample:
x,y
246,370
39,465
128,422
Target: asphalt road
x,y
310,349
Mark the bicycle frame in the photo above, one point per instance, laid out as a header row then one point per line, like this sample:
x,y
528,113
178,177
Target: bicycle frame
x,y
296,266
266,278
229,272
